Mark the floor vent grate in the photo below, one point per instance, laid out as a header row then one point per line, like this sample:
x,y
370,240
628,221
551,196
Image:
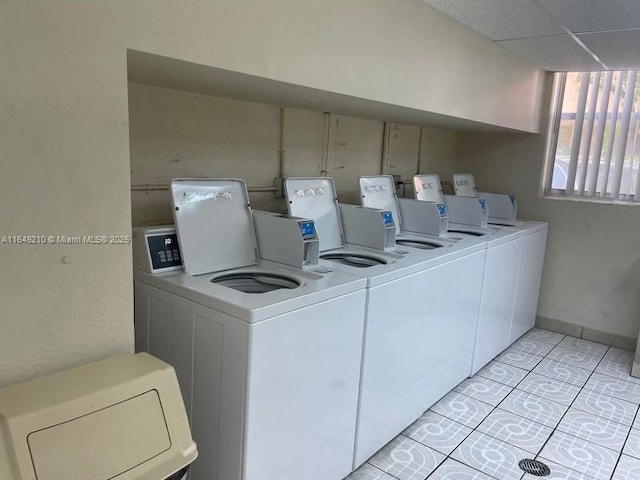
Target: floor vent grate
x,y
534,467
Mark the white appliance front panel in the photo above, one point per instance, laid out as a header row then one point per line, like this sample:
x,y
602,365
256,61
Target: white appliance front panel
x,y
275,400
525,305
302,393
418,346
496,308
208,350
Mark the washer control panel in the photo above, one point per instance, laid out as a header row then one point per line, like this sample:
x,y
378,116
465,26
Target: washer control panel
x,y
387,218
164,251
307,229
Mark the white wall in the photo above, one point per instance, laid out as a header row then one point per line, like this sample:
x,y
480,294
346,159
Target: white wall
x,y
591,274
64,128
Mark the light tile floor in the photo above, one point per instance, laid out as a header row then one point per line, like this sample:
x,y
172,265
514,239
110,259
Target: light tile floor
x,y
565,401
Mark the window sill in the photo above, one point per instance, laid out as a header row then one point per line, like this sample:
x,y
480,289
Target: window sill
x,y
601,201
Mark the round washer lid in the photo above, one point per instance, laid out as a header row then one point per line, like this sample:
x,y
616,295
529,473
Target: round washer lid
x,y
256,282
214,224
379,191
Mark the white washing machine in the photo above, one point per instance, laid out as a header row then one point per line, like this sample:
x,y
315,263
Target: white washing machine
x,y
469,218
419,328
503,211
379,191
525,305
268,356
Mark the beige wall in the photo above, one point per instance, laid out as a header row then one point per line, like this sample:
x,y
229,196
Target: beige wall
x,y
591,274
178,134
64,128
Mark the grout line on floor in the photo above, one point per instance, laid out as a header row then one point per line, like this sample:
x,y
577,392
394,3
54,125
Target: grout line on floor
x,y
513,388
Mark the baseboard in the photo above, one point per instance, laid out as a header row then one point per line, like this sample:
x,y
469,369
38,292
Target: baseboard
x,y
559,326
573,330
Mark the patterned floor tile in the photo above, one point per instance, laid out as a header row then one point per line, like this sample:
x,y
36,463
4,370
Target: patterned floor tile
x,y
605,406
614,387
546,336
484,390
617,370
534,407
594,429
519,358
516,430
533,346
490,456
369,472
407,459
503,373
584,346
462,409
628,469
618,355
573,357
558,472
563,372
632,446
549,388
580,455
452,470
438,432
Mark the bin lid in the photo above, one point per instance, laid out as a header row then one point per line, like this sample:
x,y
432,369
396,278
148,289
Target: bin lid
x,y
122,417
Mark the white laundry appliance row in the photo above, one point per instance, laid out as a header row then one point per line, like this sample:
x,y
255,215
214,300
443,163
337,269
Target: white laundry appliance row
x,y
514,259
305,342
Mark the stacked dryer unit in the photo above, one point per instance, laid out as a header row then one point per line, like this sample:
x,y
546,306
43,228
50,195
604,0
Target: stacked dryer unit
x,y
469,218
503,211
420,316
267,353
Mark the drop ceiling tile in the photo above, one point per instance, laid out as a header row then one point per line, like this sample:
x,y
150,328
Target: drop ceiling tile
x,y
500,20
617,50
554,53
594,15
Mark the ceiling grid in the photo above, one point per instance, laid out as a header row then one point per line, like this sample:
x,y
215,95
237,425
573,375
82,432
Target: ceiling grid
x,y
557,35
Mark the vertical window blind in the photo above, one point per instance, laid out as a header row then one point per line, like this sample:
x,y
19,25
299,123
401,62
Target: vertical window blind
x,y
595,151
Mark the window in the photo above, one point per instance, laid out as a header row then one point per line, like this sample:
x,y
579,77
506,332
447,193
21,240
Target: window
x,y
594,150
